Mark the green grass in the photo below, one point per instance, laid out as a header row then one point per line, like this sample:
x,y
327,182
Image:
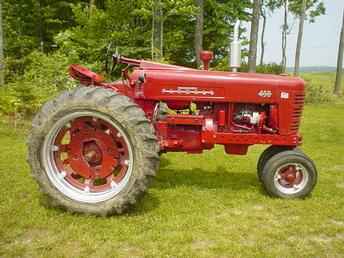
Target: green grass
x,y
325,79
319,87
208,205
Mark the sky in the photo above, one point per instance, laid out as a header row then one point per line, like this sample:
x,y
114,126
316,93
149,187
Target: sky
x,y
320,39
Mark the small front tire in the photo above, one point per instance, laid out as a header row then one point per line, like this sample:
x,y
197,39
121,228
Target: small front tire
x,y
267,154
289,174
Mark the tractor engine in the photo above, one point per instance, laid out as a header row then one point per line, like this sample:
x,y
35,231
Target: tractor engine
x,y
183,126
254,118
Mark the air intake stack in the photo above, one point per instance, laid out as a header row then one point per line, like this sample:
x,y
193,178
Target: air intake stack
x,y
236,49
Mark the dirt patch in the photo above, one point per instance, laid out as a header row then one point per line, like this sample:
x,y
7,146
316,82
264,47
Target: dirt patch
x,y
339,223
324,239
340,185
72,248
33,235
338,168
340,236
236,212
202,244
128,250
249,242
258,207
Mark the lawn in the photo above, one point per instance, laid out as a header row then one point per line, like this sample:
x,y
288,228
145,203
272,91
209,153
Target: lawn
x,y
208,205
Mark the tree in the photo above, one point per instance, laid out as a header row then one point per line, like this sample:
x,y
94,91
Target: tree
x,y
157,30
299,38
199,31
252,56
267,6
305,10
68,27
92,6
337,87
2,63
264,16
285,28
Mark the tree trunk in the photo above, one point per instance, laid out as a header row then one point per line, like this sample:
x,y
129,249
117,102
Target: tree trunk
x,y
337,87
299,39
262,37
40,27
284,37
199,31
2,63
92,6
157,30
252,55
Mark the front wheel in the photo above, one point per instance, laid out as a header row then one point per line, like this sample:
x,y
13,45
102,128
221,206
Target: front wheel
x,y
289,174
267,154
92,151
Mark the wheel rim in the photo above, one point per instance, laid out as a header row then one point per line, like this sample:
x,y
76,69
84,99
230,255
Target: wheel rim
x,y
88,157
291,178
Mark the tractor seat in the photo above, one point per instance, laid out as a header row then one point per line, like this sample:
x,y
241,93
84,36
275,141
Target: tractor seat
x,y
84,75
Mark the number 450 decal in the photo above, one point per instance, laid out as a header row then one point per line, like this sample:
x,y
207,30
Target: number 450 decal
x,y
265,93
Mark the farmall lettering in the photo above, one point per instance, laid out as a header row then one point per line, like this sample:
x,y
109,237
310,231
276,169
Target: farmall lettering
x,y
188,91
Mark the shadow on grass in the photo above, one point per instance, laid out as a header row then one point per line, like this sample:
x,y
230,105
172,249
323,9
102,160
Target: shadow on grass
x,y
167,178
220,178
164,162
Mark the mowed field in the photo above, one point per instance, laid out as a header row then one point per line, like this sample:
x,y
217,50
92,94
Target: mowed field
x,y
208,205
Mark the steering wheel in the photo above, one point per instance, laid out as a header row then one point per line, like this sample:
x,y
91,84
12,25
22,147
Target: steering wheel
x,y
111,59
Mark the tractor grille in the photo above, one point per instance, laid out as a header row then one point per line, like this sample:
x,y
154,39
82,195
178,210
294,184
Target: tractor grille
x,y
299,100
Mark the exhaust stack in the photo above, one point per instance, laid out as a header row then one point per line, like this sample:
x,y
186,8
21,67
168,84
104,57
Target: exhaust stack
x,y
236,49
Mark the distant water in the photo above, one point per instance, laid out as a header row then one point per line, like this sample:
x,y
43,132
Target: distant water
x,y
314,69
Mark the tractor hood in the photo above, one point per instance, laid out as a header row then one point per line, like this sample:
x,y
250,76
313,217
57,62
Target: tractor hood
x,y
177,75
165,82
173,74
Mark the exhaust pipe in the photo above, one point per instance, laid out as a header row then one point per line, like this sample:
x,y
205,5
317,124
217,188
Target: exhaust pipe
x,y
236,49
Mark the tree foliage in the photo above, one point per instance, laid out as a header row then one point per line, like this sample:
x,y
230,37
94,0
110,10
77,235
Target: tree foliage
x,y
41,37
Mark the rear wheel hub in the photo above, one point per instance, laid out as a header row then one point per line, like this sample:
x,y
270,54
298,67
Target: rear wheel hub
x,y
92,153
91,157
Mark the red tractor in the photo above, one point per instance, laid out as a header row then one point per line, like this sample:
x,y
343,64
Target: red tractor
x,y
94,149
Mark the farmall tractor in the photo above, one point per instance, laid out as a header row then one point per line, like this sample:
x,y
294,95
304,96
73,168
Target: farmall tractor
x,y
94,149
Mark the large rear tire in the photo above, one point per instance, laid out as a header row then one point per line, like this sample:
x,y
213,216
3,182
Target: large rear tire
x,y
92,151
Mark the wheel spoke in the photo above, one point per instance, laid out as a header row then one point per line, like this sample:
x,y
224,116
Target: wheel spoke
x,y
65,162
62,175
121,150
88,184
55,148
113,184
63,147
